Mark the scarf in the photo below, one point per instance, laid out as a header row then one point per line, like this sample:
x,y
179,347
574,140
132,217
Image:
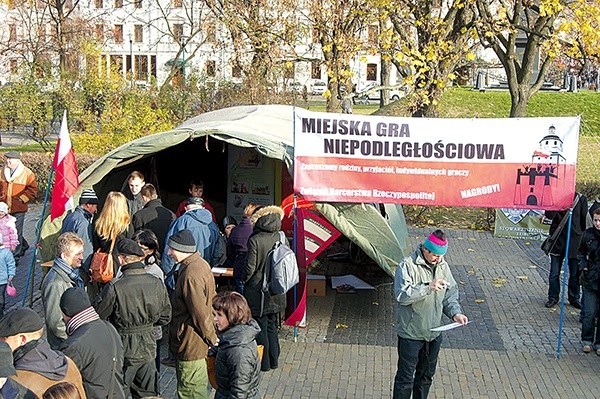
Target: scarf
x,y
72,273
85,316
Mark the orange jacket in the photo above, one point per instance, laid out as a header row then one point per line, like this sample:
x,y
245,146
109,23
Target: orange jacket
x,y
17,190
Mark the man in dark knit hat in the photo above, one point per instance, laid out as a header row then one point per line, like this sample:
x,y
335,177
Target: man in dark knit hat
x,y
80,222
94,345
38,366
134,303
192,330
425,291
9,388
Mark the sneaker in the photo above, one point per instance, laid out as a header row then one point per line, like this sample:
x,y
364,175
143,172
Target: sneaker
x,y
598,352
588,349
551,302
168,361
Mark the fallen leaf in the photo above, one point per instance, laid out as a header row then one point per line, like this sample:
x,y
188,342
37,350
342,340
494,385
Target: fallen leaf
x,y
462,283
470,250
375,303
339,325
501,244
479,301
573,313
533,267
522,277
527,243
471,271
473,239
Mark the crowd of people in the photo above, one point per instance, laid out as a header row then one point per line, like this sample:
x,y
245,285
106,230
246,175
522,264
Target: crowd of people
x,y
100,339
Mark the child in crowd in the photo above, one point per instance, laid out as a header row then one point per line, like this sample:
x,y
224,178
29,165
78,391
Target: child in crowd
x,y
7,272
589,267
196,189
237,364
8,228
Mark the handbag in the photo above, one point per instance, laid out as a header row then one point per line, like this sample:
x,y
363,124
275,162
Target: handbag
x,y
10,289
102,269
550,242
212,371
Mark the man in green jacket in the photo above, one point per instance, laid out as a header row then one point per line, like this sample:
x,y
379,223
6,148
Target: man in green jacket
x,y
425,291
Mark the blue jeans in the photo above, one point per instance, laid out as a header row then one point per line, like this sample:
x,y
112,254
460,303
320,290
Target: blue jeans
x,y
554,278
590,330
417,361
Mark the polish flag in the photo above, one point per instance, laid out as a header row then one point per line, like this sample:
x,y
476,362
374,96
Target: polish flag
x,y
66,180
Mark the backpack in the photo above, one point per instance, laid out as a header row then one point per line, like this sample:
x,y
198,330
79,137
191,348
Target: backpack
x,y
281,269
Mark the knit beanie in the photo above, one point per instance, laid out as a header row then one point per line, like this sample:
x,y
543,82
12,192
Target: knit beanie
x,y
436,245
88,197
183,241
73,301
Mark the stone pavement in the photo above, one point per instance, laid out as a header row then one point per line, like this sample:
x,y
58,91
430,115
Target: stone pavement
x,y
507,351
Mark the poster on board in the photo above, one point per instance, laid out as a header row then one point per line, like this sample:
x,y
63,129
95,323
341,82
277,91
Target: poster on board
x,y
521,224
500,163
251,179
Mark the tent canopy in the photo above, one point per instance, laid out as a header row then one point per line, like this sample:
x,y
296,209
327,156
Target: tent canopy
x,y
171,159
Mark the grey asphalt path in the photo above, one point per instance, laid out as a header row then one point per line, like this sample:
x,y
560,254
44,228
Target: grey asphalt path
x,y
508,351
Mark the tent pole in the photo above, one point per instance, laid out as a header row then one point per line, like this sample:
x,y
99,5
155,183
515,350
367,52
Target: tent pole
x,y
566,273
295,244
37,241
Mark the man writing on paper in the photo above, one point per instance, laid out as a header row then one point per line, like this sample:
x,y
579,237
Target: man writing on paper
x,y
425,289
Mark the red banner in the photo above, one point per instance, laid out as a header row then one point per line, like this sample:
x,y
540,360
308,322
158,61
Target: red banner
x,y
500,163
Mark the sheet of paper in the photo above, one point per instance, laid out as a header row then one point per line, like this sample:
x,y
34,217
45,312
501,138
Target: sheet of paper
x,y
219,270
447,327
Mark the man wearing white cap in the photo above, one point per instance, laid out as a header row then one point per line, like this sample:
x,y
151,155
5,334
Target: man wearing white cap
x,y
18,187
80,222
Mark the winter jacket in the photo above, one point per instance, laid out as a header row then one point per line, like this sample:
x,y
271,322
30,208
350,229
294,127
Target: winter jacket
x,y
134,304
192,330
419,309
206,235
155,217
589,258
237,246
8,229
13,390
578,226
18,189
94,347
56,282
7,265
80,222
181,208
237,365
267,223
134,202
39,367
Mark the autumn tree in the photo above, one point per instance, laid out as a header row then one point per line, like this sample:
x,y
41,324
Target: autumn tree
x,y
426,41
580,30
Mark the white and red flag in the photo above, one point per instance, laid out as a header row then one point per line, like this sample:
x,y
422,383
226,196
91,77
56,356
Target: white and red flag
x,y
66,178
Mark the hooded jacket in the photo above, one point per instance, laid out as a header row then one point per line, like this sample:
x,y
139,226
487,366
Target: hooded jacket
x,y
8,229
18,189
419,309
7,265
39,367
206,235
237,365
578,226
267,223
192,330
589,258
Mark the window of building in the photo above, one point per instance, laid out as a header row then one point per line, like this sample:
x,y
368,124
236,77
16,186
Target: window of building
x,y
153,66
236,71
128,63
99,32
118,33
138,33
211,68
118,3
99,3
288,70
141,67
12,32
315,35
211,36
137,3
371,71
315,70
177,3
372,33
13,65
177,32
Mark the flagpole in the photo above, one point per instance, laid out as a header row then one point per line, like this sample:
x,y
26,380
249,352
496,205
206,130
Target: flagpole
x,y
294,224
566,275
37,241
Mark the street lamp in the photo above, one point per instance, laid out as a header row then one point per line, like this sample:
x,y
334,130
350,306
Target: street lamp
x,y
131,55
183,59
